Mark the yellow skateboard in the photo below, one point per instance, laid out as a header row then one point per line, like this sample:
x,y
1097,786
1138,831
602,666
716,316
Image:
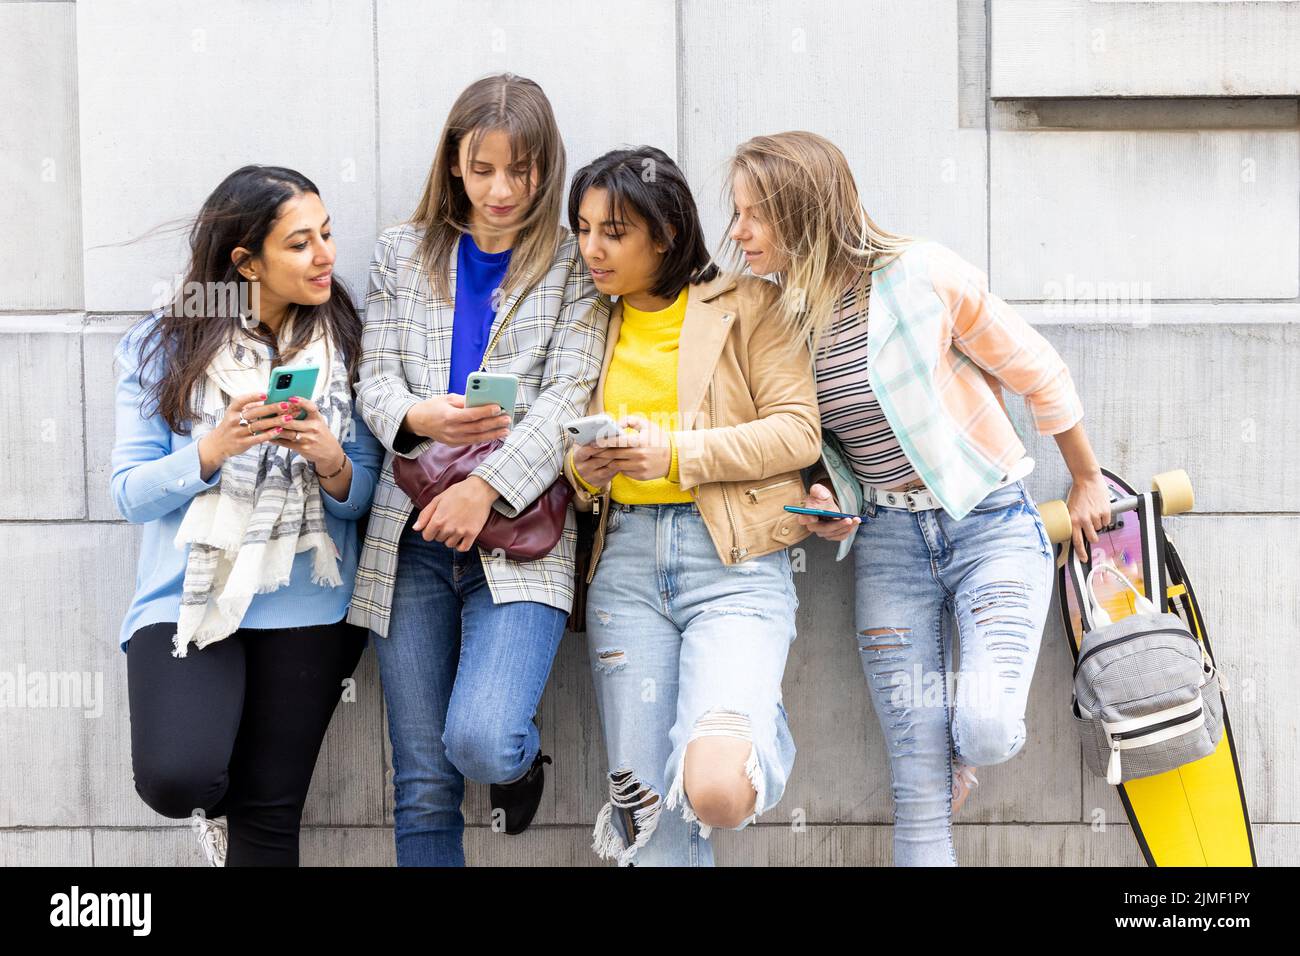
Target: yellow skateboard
x,y
1194,815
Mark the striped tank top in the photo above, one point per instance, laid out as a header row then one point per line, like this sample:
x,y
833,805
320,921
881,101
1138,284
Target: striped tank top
x,y
847,403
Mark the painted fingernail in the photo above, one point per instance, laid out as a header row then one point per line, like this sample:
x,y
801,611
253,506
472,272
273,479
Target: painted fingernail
x,y
294,399
288,418
284,406
278,430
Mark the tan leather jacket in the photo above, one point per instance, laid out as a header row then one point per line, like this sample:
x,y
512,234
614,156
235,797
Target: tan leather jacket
x,y
748,409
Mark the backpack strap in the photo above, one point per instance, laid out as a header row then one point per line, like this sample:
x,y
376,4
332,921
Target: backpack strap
x,y
1153,548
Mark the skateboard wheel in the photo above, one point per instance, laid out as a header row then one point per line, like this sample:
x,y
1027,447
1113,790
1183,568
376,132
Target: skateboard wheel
x,y
1056,519
1175,491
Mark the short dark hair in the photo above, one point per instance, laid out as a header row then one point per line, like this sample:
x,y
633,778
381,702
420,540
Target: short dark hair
x,y
646,180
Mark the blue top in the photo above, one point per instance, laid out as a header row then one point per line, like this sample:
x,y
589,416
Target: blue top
x,y
156,473
478,276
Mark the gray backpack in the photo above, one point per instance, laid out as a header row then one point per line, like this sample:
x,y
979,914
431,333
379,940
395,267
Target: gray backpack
x,y
1144,688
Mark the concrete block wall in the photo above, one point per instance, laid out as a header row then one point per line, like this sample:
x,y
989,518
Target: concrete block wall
x,y
1141,204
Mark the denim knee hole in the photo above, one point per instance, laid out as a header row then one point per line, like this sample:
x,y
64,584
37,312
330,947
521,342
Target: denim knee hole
x,y
720,723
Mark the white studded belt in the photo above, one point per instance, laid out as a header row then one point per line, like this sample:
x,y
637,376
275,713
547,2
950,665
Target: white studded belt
x,y
922,499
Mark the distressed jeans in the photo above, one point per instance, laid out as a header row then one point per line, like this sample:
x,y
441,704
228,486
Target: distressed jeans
x,y
683,646
916,574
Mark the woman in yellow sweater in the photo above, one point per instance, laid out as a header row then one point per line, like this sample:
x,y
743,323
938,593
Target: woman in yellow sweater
x,y
691,607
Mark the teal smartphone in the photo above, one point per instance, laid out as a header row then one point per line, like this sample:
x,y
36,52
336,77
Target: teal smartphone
x,y
824,515
492,388
288,381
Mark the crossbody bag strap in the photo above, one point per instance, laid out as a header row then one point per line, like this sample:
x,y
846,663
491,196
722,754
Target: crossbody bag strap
x,y
502,327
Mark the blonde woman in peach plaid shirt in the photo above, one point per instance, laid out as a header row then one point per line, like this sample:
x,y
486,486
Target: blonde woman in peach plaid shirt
x,y
911,353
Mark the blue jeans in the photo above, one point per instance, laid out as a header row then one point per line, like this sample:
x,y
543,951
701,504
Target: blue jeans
x,y
683,646
916,573
462,679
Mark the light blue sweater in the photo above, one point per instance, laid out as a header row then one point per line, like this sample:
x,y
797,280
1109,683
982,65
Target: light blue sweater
x,y
156,473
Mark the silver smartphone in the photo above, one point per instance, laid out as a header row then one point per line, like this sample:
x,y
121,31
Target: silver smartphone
x,y
585,431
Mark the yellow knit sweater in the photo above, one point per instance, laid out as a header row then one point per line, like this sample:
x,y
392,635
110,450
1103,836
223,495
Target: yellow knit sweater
x,y
642,380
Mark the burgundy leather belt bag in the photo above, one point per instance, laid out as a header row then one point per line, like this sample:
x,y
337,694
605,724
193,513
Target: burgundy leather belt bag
x,y
526,537
529,535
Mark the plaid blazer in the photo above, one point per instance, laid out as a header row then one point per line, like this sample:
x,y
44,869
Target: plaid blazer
x,y
554,344
940,349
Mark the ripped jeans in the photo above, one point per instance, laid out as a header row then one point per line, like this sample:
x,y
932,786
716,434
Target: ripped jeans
x,y
916,573
683,646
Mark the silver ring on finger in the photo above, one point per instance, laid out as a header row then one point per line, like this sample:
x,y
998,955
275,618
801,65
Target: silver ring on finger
x,y
242,419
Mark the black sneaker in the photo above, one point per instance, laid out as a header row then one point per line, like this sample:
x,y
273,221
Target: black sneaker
x,y
520,799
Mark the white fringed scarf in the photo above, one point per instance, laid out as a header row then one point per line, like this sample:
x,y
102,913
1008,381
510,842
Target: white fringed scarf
x,y
244,532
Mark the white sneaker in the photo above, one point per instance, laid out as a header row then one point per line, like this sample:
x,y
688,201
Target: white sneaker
x,y
212,838
963,782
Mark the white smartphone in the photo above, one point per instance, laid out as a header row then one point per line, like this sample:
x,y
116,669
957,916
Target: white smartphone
x,y
585,431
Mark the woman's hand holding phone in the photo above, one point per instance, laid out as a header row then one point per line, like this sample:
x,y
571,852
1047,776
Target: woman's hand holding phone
x,y
445,419
232,437
594,465
820,498
643,453
311,437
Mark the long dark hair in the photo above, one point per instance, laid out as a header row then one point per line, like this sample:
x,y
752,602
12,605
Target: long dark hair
x,y
240,212
647,181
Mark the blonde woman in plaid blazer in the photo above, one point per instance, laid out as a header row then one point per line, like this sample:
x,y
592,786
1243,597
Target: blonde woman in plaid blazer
x,y
911,354
465,638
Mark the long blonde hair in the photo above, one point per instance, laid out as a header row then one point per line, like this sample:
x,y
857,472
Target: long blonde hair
x,y
803,188
518,107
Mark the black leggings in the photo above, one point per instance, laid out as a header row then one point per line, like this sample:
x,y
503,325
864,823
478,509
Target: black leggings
x,y
234,729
